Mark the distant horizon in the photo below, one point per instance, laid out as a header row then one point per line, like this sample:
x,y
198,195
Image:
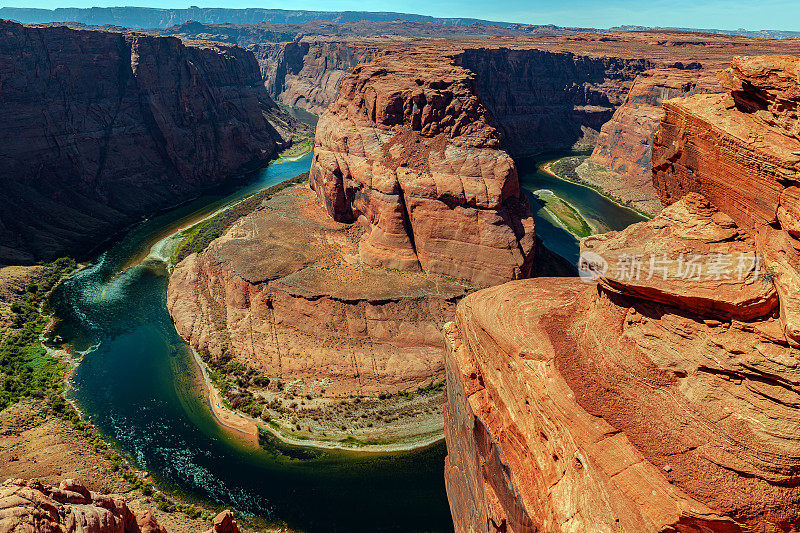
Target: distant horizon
x,y
727,15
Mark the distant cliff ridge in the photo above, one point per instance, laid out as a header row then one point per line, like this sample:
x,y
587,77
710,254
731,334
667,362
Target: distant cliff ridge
x,y
101,128
149,17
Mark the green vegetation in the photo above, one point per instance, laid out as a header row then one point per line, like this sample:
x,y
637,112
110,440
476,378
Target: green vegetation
x,y
28,372
26,369
198,237
565,213
566,169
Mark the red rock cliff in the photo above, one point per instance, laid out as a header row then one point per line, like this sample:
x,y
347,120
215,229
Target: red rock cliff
x,y
625,142
643,403
741,150
409,149
549,100
307,74
100,128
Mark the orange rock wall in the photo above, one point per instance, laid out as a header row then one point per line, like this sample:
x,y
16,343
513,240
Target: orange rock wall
x,y
626,141
409,149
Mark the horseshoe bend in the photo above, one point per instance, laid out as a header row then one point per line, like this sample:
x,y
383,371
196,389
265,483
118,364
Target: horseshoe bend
x,y
261,271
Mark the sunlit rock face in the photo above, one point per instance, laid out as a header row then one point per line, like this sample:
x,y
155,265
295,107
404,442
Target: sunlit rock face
x,y
741,150
649,400
409,150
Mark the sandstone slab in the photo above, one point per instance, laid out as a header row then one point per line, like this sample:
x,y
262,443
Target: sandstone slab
x,y
691,256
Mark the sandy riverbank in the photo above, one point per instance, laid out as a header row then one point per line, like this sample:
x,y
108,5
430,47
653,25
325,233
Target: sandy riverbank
x,y
247,428
545,167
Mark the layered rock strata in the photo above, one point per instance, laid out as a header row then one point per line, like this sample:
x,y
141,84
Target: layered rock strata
x,y
307,74
664,397
625,143
100,128
741,149
409,149
544,100
283,292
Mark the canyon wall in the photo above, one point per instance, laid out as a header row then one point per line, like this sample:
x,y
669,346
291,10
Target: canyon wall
x,y
625,142
741,149
661,397
101,128
307,74
541,100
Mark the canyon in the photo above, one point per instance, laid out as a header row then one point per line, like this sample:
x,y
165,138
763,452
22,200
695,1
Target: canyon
x,y
416,199
335,290
340,287
605,97
548,378
75,101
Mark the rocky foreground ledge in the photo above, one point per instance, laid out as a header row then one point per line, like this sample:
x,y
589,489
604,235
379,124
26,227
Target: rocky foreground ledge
x,y
29,505
654,400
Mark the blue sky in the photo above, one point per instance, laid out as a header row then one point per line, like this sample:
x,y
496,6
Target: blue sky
x,y
726,14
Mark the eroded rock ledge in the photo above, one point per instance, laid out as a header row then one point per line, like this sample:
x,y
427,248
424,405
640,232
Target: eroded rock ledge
x,y
741,150
282,291
648,403
409,148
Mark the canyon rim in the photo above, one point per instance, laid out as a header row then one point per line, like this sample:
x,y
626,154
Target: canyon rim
x,y
281,270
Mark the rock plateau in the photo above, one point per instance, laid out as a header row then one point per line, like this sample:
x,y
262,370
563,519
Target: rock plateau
x,y
282,292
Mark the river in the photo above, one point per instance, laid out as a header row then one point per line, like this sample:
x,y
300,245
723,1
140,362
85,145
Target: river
x,y
139,385
597,210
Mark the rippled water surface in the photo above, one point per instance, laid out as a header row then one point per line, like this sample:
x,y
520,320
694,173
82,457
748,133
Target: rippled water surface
x,y
139,384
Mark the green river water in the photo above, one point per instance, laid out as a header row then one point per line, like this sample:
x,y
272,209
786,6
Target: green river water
x,y
137,382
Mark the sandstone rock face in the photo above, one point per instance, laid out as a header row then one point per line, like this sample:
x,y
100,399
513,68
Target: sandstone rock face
x,y
69,508
307,74
663,260
650,401
282,291
542,100
224,522
100,128
409,149
742,151
548,381
625,143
